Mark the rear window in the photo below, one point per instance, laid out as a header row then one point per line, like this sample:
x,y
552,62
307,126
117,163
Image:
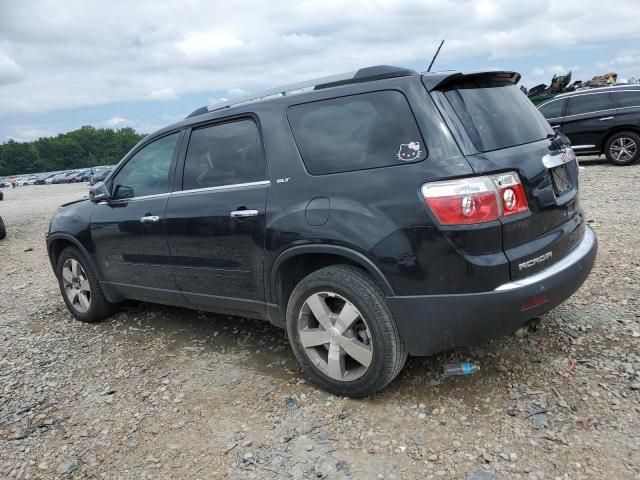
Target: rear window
x,y
356,132
552,109
498,117
591,102
630,98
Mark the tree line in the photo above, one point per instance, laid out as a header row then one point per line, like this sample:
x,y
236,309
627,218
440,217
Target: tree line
x,y
85,147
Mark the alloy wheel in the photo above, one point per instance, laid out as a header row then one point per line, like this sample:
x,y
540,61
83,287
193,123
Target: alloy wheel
x,y
623,149
335,336
76,285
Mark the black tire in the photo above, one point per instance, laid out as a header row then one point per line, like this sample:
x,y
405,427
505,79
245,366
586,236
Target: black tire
x,y
613,143
99,307
3,230
358,288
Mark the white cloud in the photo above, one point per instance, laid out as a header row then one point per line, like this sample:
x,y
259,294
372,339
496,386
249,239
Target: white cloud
x,y
115,121
236,92
10,71
203,45
161,94
546,73
28,133
96,53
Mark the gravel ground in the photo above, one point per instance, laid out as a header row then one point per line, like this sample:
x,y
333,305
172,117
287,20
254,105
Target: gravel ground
x,y
158,392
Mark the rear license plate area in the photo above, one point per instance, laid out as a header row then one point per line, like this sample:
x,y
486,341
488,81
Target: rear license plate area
x,y
561,180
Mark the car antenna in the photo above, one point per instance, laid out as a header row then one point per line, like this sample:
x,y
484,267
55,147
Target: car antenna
x,y
435,56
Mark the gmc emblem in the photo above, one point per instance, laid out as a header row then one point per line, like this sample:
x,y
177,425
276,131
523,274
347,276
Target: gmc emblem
x,y
534,261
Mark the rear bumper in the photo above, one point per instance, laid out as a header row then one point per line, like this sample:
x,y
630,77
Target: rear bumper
x,y
431,323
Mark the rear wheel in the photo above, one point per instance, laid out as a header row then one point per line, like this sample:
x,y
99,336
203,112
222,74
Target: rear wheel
x,y
342,332
3,230
623,148
80,288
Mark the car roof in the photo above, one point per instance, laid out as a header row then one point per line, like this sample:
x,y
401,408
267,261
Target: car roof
x,y
587,91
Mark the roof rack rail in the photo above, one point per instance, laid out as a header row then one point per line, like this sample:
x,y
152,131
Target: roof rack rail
x,y
362,75
281,91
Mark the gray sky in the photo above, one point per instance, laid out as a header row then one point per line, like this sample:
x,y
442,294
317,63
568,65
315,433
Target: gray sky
x,y
146,64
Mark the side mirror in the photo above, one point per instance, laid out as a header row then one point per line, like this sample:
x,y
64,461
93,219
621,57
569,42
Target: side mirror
x,y
99,192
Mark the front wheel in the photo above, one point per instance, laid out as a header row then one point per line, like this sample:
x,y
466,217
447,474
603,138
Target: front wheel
x,y
80,288
623,148
342,332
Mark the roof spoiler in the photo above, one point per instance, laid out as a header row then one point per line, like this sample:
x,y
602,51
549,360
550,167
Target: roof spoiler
x,y
445,80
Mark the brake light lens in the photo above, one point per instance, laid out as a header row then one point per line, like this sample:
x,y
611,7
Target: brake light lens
x,y
476,199
512,195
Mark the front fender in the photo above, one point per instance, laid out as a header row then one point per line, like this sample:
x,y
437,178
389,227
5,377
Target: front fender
x,y
53,239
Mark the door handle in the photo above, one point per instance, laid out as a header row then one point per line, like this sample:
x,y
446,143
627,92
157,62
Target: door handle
x,y
150,219
244,213
604,119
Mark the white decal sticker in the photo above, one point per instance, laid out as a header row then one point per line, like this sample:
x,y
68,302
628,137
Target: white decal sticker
x,y
409,151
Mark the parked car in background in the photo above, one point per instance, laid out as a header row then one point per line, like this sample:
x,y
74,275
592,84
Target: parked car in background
x,y
99,173
73,177
65,177
24,181
55,179
43,178
49,179
83,176
599,121
399,213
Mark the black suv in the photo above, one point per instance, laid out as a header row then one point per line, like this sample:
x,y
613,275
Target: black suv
x,y
373,215
600,120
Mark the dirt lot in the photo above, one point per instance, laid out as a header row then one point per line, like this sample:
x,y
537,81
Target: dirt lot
x,y
161,392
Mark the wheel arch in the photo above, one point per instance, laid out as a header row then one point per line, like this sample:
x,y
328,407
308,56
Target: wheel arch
x,y
314,257
616,130
58,242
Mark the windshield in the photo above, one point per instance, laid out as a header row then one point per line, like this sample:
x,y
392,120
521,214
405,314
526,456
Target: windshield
x,y
498,117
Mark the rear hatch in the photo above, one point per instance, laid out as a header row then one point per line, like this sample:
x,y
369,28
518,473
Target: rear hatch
x,y
500,130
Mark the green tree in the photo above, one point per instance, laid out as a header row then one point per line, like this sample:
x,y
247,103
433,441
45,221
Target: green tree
x,y
82,148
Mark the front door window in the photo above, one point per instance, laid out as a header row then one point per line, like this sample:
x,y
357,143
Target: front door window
x,y
147,172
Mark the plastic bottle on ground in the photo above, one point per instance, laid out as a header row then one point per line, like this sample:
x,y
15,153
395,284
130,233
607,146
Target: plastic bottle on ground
x,y
462,368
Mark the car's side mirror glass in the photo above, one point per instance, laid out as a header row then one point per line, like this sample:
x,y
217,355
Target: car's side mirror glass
x,y
99,192
123,192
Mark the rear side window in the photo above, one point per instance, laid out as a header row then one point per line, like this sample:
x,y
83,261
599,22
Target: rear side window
x,y
552,109
498,117
627,99
224,154
356,132
593,102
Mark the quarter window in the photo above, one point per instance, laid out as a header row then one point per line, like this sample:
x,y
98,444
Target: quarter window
x,y
553,109
592,102
627,99
224,154
356,132
147,172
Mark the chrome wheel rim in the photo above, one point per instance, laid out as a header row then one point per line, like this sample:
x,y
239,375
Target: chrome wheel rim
x,y
76,285
335,336
623,149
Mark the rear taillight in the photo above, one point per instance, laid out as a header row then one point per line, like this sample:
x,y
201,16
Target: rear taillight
x,y
476,199
511,193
